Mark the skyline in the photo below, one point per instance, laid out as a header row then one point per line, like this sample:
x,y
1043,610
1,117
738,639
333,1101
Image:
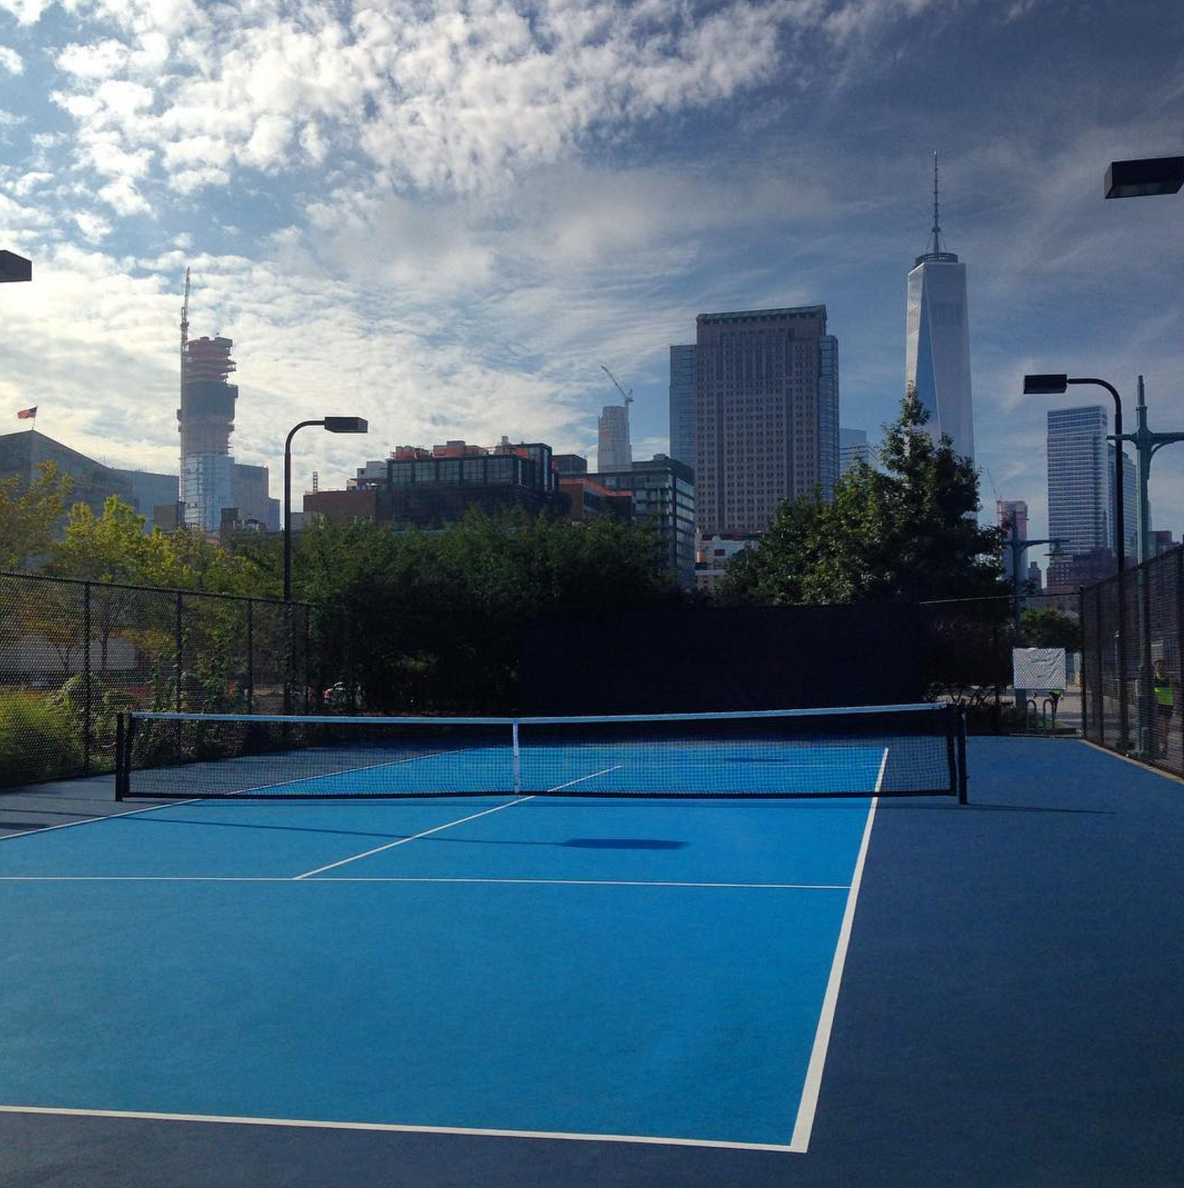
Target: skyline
x,y
446,220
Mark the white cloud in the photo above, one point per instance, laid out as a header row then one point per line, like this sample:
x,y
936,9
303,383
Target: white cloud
x,y
11,61
96,61
27,12
94,227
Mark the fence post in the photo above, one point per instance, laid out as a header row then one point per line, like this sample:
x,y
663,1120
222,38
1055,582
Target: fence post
x,y
1124,737
307,614
1179,622
180,644
250,655
291,658
962,776
86,679
1081,673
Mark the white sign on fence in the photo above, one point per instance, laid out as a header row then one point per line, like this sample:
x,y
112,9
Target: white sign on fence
x,y
1038,668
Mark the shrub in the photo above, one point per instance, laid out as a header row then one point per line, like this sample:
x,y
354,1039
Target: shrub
x,y
38,739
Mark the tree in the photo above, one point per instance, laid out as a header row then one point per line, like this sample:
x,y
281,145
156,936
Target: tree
x,y
1050,628
435,622
28,516
906,532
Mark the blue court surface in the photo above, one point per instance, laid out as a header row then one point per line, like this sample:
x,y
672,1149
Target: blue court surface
x,y
539,990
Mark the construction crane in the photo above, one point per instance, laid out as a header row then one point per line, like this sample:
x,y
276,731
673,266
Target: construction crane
x,y
628,395
184,326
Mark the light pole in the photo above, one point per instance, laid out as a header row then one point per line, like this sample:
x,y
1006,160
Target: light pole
x,y
1018,548
1141,179
1055,385
1146,443
331,425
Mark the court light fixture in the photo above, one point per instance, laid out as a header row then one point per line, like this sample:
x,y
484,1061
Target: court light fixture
x,y
14,268
1045,385
1145,177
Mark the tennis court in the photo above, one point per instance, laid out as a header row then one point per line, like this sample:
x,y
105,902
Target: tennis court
x,y
534,988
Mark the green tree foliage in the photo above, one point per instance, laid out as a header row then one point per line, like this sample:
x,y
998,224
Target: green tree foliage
x,y
1048,628
28,514
906,532
434,622
114,547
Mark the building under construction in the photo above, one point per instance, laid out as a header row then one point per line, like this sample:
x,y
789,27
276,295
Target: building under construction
x,y
211,481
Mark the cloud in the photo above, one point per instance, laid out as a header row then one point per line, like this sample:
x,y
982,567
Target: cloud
x,y
11,61
456,99
27,12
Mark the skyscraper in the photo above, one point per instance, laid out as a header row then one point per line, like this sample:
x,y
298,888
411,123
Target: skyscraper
x,y
1081,494
614,451
766,415
937,339
682,404
206,421
853,448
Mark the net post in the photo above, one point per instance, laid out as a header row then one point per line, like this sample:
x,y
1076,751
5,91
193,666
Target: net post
x,y
517,758
962,777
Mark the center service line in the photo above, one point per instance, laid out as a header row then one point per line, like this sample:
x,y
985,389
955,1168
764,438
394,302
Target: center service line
x,y
497,808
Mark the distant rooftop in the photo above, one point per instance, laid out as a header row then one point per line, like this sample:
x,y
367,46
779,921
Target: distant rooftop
x,y
764,315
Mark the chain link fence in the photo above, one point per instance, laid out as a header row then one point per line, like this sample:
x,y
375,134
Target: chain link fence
x,y
966,658
1134,633
75,653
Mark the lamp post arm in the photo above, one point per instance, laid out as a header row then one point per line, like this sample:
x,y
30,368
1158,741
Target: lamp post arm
x,y
288,506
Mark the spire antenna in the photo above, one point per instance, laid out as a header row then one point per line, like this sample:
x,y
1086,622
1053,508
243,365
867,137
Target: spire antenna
x,y
938,245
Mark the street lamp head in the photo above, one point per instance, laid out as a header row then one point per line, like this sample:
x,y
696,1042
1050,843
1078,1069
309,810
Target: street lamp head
x,y
347,425
1138,179
14,267
1045,385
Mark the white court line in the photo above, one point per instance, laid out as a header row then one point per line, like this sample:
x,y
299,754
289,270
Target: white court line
x,y
592,776
388,1126
808,1105
91,820
497,808
197,799
418,879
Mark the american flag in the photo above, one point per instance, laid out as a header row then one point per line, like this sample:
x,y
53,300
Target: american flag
x,y
27,414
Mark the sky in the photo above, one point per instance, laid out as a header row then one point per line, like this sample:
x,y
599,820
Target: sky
x,y
445,217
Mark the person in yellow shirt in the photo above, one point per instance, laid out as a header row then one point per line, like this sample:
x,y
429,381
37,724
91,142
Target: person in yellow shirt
x,y
1164,690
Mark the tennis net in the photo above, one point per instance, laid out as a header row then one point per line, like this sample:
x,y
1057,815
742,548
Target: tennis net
x,y
910,750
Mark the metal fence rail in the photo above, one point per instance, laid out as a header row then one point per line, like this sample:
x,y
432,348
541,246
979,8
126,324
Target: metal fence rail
x,y
1134,634
74,653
